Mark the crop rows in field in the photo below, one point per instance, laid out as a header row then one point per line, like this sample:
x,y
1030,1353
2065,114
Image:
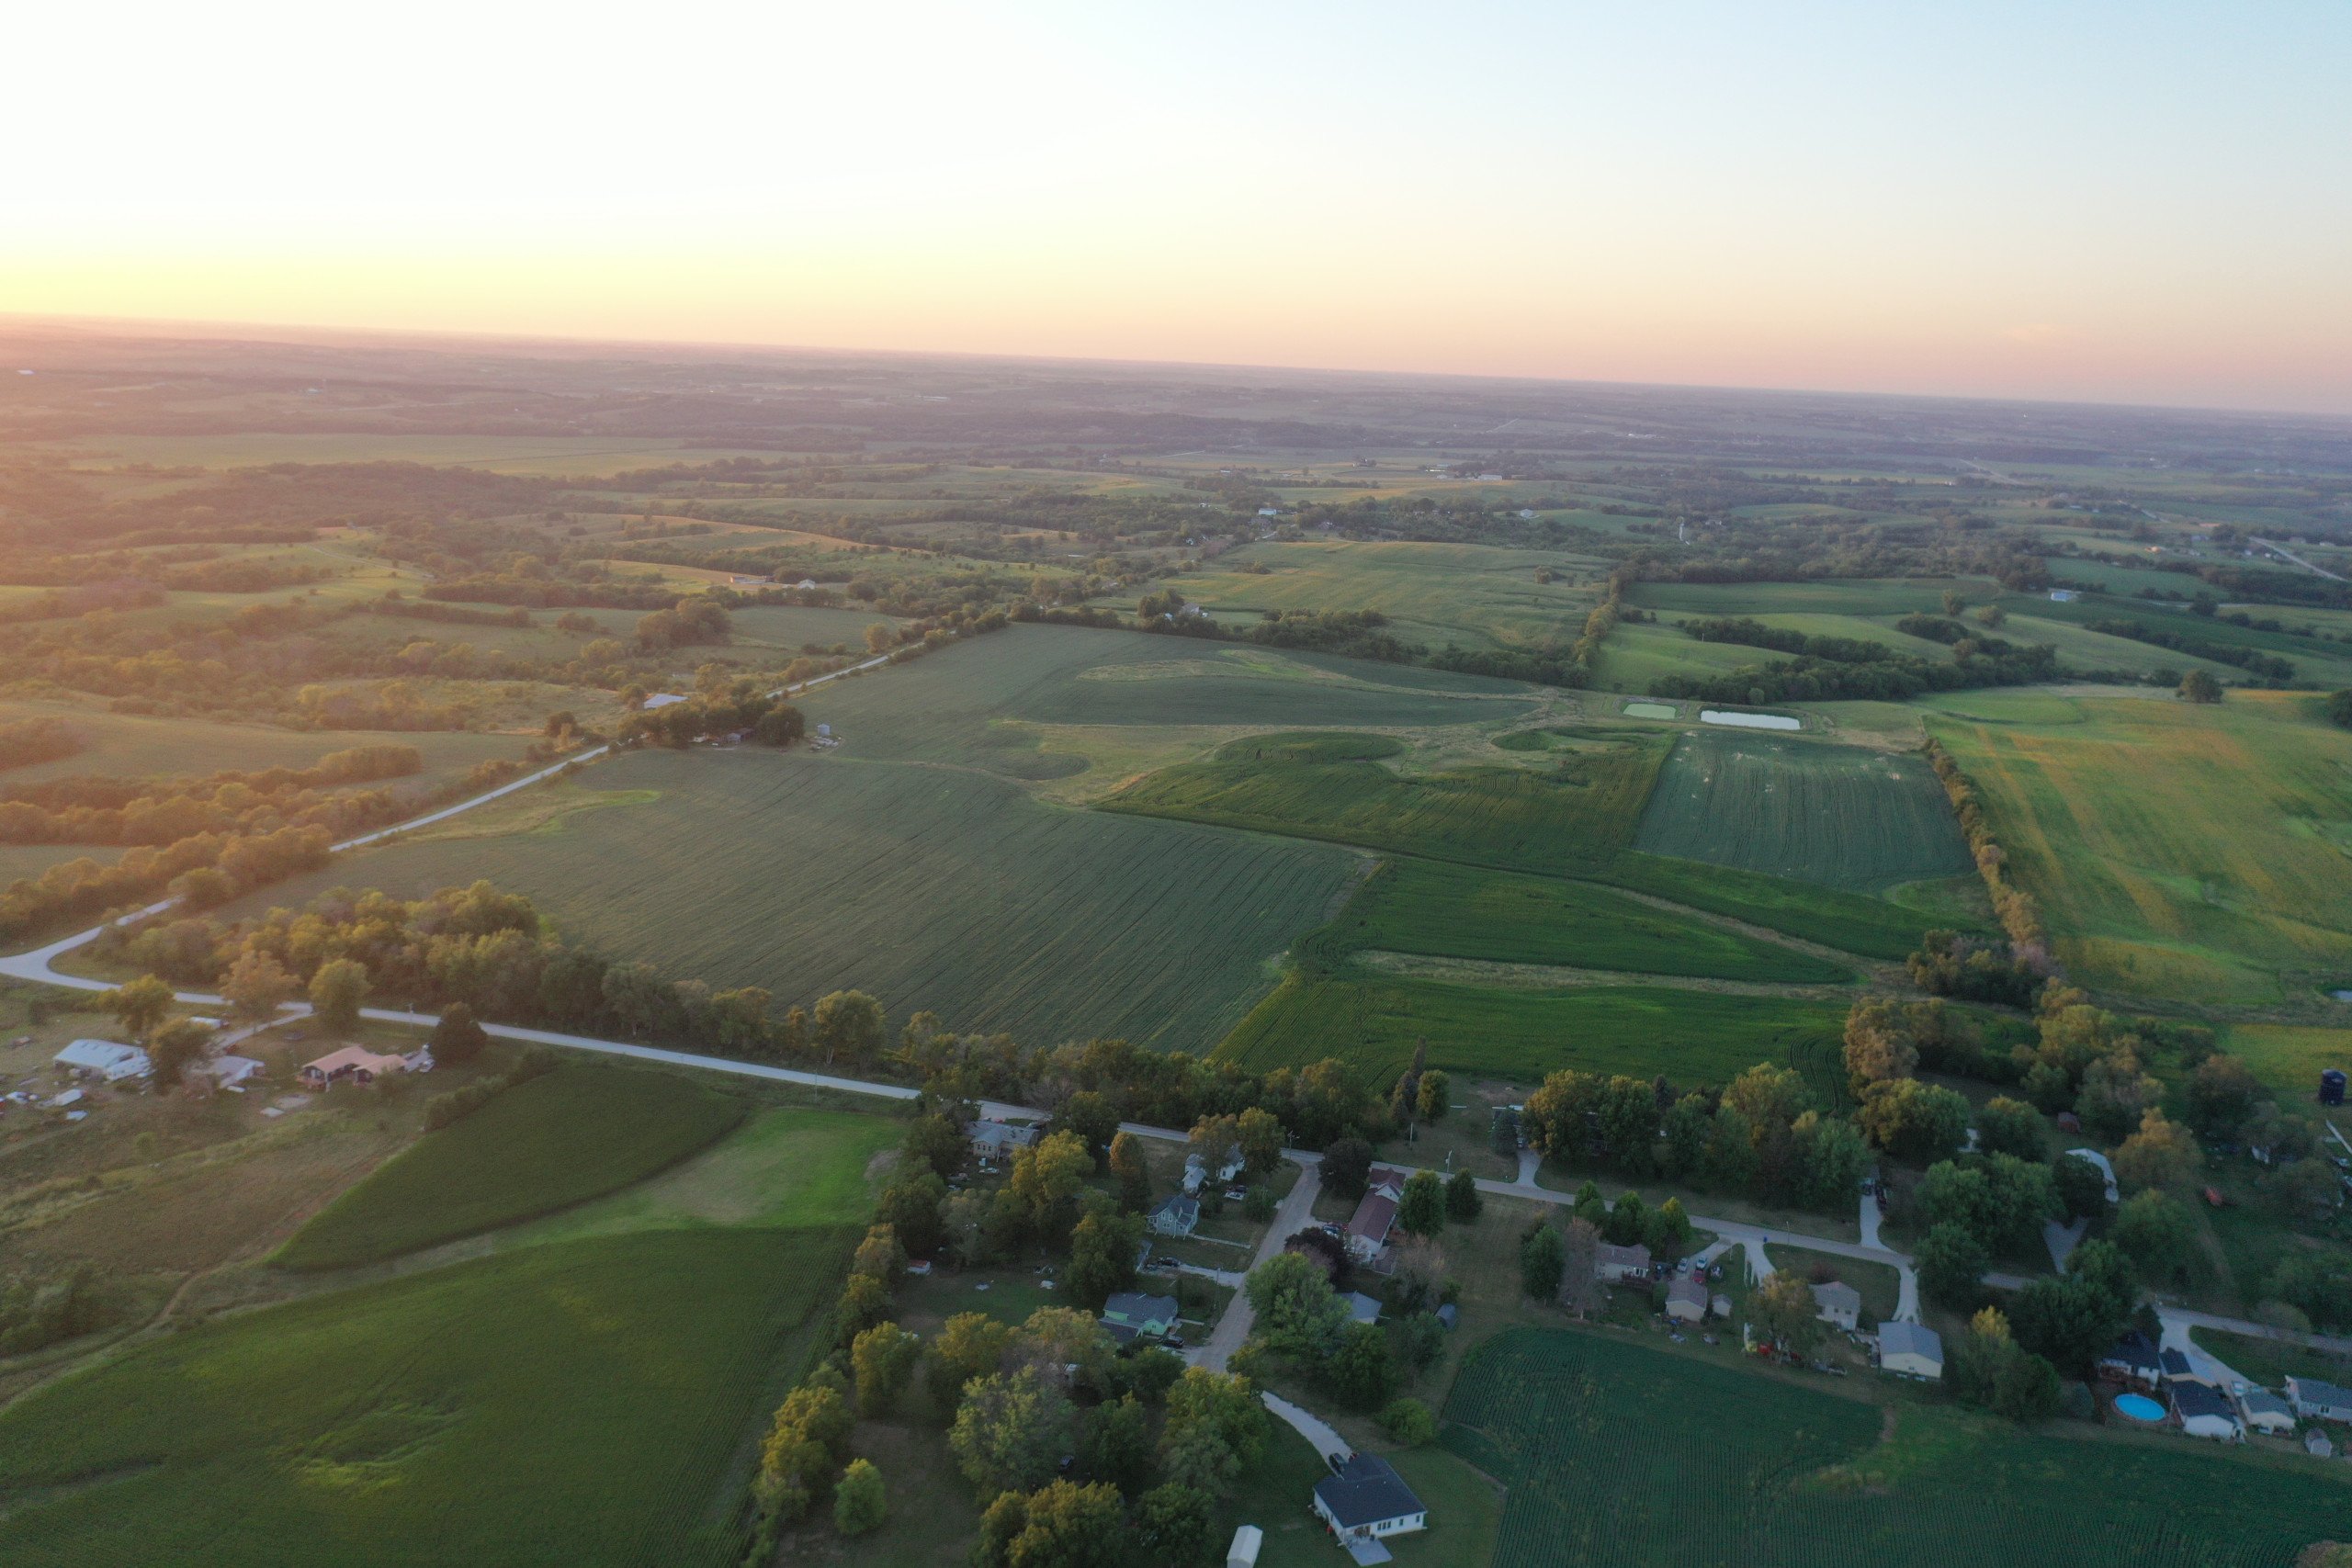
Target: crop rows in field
x,y
1616,1452
934,888
1842,815
551,1405
538,1146
952,706
1562,819
1376,1023
1575,819
1457,911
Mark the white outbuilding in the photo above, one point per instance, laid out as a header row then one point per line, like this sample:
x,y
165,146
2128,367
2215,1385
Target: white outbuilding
x,y
103,1059
1909,1350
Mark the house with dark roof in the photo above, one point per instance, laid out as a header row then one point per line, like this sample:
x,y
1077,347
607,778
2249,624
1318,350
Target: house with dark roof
x,y
1686,1299
2133,1361
1364,1502
2178,1368
1361,1307
2205,1412
1129,1316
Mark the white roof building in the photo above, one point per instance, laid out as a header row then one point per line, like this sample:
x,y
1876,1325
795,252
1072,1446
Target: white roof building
x,y
103,1059
662,700
2093,1156
1910,1350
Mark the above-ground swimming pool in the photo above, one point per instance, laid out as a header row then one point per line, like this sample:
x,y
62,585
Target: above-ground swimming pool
x,y
2139,1407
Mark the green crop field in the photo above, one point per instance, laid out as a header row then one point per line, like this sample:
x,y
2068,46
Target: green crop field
x,y
574,1402
1474,595
2191,853
131,746
1693,1036
1571,816
931,888
1616,1452
1634,656
981,704
1831,596
544,1145
1458,911
1575,820
1843,816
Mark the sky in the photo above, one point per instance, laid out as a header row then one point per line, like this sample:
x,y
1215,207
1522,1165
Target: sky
x,y
2146,202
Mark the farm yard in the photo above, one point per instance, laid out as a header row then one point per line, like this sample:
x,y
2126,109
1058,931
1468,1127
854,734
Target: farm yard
x,y
2183,851
1616,1451
1843,816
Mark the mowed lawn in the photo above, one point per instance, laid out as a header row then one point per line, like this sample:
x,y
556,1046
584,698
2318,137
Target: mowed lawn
x,y
1375,1023
555,1140
1457,911
930,887
1843,816
2194,853
578,1402
1616,1452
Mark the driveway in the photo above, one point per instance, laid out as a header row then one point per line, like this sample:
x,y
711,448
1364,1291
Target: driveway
x,y
1291,1216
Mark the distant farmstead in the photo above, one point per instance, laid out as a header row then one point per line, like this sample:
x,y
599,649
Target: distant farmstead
x,y
103,1059
353,1063
996,1140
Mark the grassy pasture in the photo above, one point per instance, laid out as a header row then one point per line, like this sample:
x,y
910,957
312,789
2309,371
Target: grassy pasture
x,y
572,1134
2187,852
2289,1057
930,887
1615,1452
1458,911
131,745
1843,816
1476,595
1634,656
1691,1036
559,1404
